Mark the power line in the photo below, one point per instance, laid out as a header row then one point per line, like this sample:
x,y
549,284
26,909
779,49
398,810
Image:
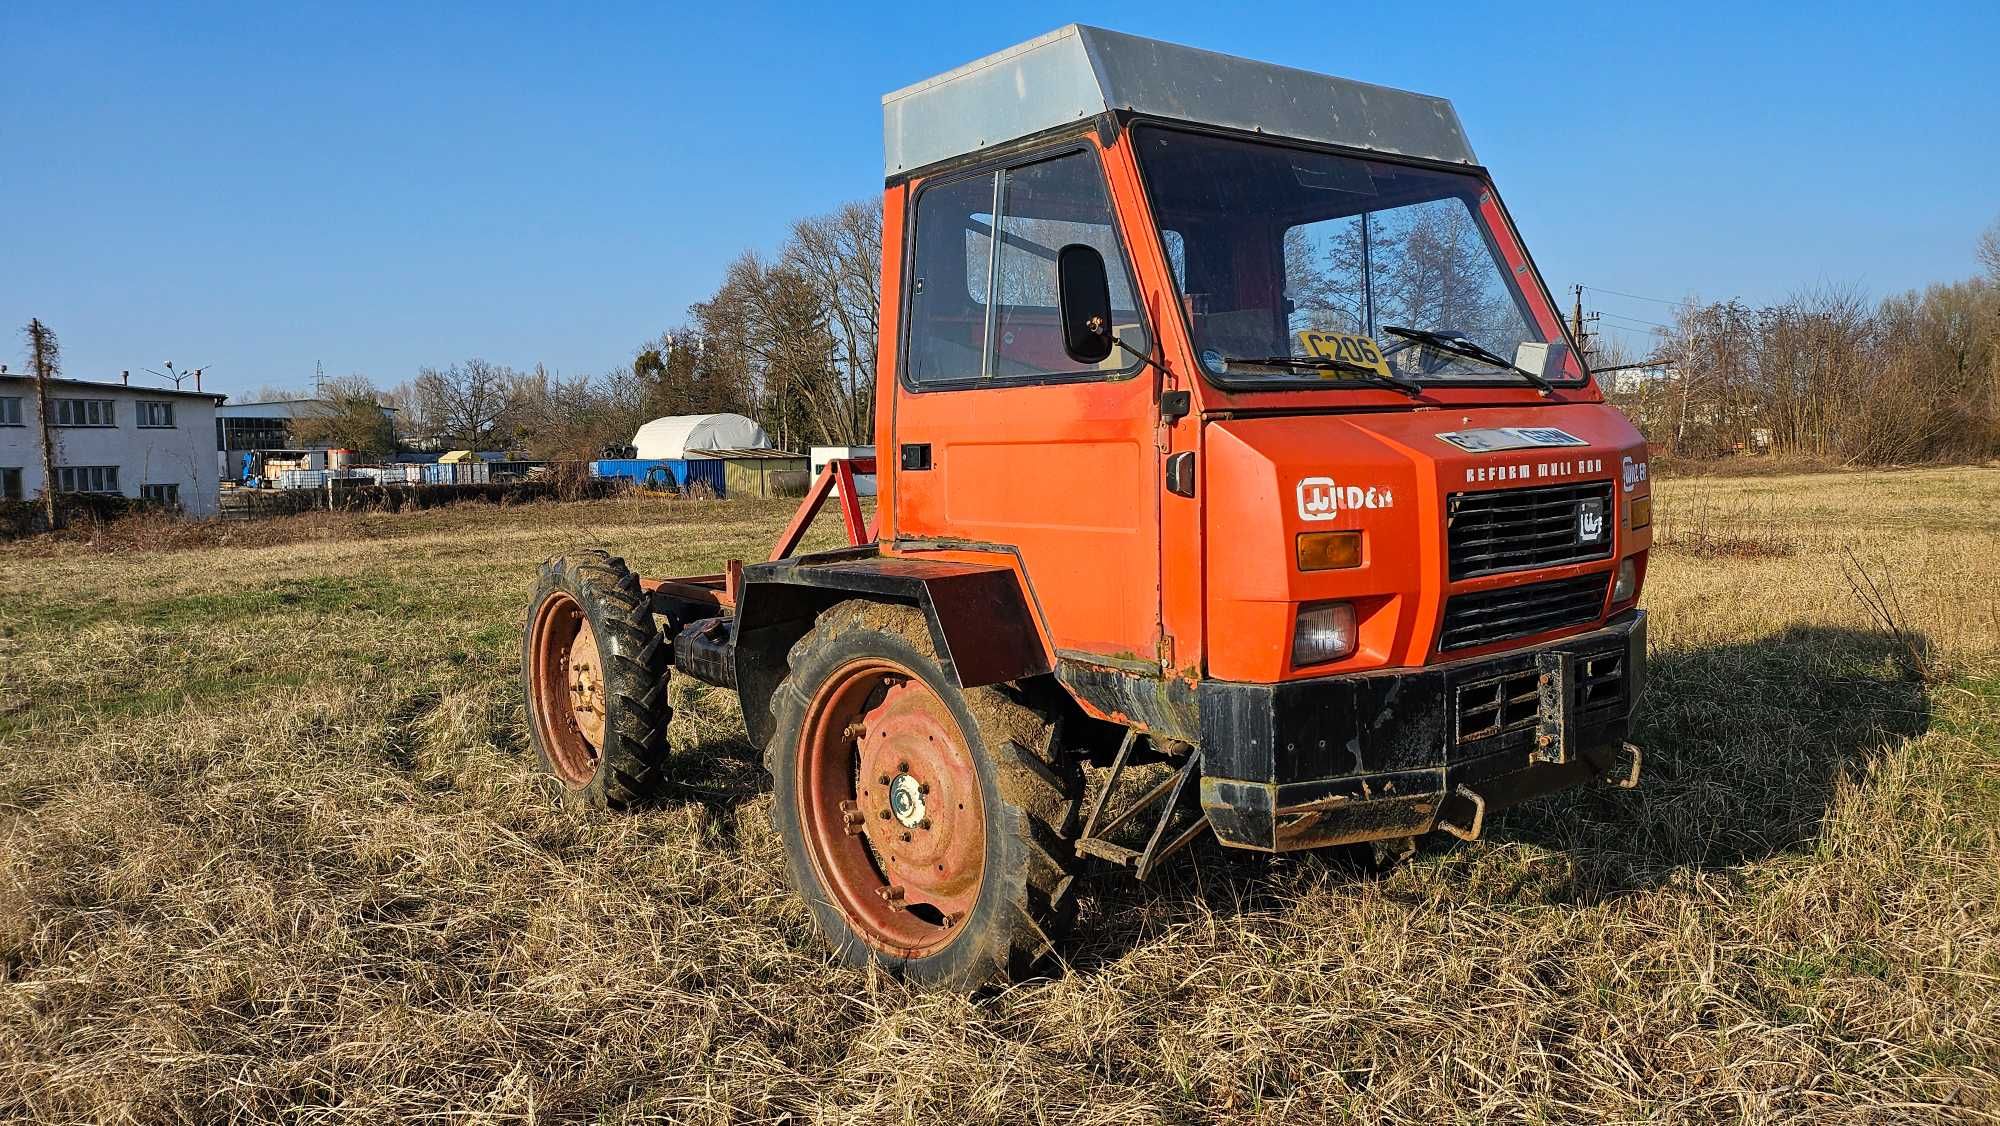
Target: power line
x,y
1635,320
1633,296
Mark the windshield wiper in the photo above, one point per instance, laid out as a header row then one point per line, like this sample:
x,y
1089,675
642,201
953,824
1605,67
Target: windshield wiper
x,y
1369,377
1471,351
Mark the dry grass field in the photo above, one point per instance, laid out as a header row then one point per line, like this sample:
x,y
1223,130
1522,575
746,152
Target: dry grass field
x,y
272,848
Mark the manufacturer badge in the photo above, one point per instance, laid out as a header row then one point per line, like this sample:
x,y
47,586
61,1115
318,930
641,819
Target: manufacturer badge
x,y
1590,522
1498,439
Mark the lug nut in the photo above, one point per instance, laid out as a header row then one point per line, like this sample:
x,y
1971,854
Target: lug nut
x,y
923,787
924,824
902,768
883,780
906,834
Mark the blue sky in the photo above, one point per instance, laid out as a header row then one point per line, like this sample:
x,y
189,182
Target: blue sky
x,y
259,187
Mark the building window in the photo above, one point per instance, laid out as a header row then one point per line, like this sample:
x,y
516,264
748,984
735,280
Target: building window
x,y
10,484
85,412
10,410
87,478
155,414
169,495
239,433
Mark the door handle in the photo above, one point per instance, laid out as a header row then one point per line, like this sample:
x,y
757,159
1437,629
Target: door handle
x,y
916,456
1180,474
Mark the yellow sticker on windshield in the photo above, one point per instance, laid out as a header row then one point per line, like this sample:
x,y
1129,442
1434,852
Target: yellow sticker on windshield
x,y
1346,347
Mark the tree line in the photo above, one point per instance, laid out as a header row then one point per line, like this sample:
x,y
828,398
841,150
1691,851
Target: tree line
x,y
1830,376
787,339
790,339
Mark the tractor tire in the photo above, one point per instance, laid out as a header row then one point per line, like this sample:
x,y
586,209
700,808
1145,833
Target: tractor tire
x,y
928,828
595,669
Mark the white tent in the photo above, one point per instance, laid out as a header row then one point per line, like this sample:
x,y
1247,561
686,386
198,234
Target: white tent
x,y
675,435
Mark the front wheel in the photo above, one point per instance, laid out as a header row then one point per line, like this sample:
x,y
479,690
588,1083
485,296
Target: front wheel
x,y
595,669
927,827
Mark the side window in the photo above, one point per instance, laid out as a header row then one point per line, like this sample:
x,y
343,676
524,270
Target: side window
x,y
983,292
949,281
1043,208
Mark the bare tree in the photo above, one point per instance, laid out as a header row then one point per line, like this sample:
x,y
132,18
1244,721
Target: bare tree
x,y
349,415
579,418
466,403
839,256
1989,250
45,360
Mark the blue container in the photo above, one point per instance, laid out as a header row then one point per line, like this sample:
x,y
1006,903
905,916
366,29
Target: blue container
x,y
706,469
637,470
661,472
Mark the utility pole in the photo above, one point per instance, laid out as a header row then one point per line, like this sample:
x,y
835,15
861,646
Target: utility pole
x,y
1576,323
46,361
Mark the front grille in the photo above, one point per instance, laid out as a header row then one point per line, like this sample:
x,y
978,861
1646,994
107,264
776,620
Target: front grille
x,y
1516,529
1499,615
1497,706
1512,701
1600,681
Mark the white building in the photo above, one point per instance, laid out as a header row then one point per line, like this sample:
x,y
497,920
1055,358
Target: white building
x,y
148,442
864,483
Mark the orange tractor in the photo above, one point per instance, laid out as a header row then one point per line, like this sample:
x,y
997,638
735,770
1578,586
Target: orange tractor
x,y
1237,476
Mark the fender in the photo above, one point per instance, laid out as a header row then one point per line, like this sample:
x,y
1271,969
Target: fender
x,y
979,617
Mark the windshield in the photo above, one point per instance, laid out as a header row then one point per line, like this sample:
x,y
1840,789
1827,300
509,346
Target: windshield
x,y
1287,253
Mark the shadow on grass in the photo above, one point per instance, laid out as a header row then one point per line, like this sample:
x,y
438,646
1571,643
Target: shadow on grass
x,y
1745,744
720,773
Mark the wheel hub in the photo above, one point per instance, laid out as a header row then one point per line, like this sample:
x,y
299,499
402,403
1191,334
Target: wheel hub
x,y
566,680
586,685
897,826
906,800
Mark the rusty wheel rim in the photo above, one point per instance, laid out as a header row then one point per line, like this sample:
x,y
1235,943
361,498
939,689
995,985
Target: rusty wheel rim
x,y
888,795
566,675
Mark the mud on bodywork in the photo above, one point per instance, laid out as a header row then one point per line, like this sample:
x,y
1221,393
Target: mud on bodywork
x,y
1341,760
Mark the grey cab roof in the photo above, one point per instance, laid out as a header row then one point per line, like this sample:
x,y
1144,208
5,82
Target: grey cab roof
x,y
1077,72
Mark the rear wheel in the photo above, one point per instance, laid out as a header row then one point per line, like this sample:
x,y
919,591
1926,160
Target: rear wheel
x,y
927,827
595,670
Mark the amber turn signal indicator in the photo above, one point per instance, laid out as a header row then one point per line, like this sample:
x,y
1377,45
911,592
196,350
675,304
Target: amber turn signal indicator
x,y
1329,551
1642,512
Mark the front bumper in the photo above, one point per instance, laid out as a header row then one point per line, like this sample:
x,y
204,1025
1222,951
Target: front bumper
x,y
1338,760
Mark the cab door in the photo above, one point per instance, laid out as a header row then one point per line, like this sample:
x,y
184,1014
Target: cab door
x,y
1001,441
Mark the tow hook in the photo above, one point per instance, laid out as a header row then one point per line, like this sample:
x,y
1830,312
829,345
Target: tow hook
x,y
1478,826
1625,774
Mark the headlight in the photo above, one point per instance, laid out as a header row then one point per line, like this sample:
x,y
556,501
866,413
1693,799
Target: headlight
x,y
1325,633
1627,583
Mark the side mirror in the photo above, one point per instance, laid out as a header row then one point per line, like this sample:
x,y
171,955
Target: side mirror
x,y
1083,292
